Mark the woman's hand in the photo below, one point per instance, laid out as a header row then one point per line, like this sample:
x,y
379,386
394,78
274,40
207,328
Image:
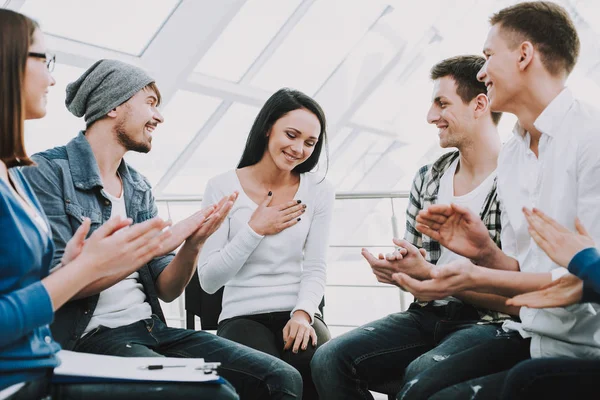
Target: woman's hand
x,y
267,220
75,245
563,292
558,242
298,332
116,247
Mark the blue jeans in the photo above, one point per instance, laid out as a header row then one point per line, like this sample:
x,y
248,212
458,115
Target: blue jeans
x,y
401,345
553,378
476,372
253,374
43,389
540,378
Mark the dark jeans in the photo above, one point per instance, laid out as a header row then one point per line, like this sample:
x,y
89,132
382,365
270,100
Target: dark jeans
x,y
540,378
490,358
401,345
43,389
264,332
553,378
253,374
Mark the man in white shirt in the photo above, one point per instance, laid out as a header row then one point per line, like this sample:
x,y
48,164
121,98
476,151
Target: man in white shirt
x,y
406,343
551,163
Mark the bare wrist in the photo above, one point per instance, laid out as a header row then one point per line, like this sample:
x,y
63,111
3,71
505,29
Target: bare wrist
x,y
487,254
255,229
82,272
477,279
192,247
302,314
425,271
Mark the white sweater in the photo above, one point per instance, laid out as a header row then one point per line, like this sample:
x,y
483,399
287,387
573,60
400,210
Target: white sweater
x,y
262,274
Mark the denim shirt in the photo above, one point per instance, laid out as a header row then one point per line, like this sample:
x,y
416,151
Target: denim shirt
x,y
67,183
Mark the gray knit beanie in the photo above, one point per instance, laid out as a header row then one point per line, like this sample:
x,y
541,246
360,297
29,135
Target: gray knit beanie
x,y
104,86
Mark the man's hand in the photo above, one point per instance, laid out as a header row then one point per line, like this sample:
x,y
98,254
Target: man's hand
x,y
457,229
562,292
558,242
407,258
445,281
213,221
195,225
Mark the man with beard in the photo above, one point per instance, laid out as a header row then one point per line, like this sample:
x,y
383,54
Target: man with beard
x,y
88,179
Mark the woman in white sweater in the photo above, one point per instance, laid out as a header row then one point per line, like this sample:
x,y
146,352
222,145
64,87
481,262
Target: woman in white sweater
x,y
270,253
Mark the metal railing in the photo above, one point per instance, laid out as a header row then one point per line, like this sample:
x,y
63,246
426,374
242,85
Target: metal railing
x,y
340,196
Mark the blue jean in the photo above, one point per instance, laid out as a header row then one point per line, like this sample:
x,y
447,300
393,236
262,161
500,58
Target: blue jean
x,y
540,378
253,374
401,345
477,372
43,389
553,378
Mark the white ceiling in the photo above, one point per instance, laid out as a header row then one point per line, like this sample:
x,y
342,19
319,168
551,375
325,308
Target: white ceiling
x,y
216,62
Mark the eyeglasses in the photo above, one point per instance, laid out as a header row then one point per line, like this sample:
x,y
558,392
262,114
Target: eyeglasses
x,y
49,57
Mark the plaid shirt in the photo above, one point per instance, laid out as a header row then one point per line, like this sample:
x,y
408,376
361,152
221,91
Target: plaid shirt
x,y
424,192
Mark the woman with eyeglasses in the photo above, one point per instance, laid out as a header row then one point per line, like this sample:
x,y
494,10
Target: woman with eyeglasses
x,y
29,293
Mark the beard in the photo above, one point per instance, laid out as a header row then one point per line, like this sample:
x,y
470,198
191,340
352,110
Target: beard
x,y
128,142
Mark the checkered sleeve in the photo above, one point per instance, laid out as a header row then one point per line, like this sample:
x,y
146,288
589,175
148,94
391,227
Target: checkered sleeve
x,y
415,204
492,215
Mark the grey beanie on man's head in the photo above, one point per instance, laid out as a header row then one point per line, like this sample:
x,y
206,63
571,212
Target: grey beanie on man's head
x,y
104,86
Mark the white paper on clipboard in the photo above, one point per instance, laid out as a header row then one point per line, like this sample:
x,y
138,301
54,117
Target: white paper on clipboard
x,y
75,364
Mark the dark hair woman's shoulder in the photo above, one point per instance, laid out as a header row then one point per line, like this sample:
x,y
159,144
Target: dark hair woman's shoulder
x,y
319,183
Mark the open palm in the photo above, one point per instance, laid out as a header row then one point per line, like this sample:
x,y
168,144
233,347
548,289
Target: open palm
x,y
456,228
562,292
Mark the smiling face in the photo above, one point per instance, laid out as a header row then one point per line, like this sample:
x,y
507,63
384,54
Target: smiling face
x,y
37,80
500,73
137,119
292,139
450,114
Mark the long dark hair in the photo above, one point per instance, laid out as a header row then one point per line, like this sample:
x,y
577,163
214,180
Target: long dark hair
x,y
279,104
16,35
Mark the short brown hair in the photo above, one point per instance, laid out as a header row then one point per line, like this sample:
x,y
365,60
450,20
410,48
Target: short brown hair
x,y
464,69
16,35
152,86
548,26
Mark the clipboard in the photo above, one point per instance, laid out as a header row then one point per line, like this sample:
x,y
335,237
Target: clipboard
x,y
78,367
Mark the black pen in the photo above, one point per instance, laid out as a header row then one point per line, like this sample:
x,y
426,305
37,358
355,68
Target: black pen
x,y
159,366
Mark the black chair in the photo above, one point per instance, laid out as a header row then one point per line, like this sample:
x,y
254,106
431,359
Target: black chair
x,y
208,307
201,304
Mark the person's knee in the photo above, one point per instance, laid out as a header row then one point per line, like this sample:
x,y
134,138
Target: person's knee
x,y
417,382
423,363
284,378
300,360
328,358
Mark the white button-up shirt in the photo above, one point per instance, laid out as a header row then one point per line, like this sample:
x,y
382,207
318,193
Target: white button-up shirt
x,y
563,182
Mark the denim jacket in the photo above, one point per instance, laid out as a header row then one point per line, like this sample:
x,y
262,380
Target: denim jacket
x,y
67,182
